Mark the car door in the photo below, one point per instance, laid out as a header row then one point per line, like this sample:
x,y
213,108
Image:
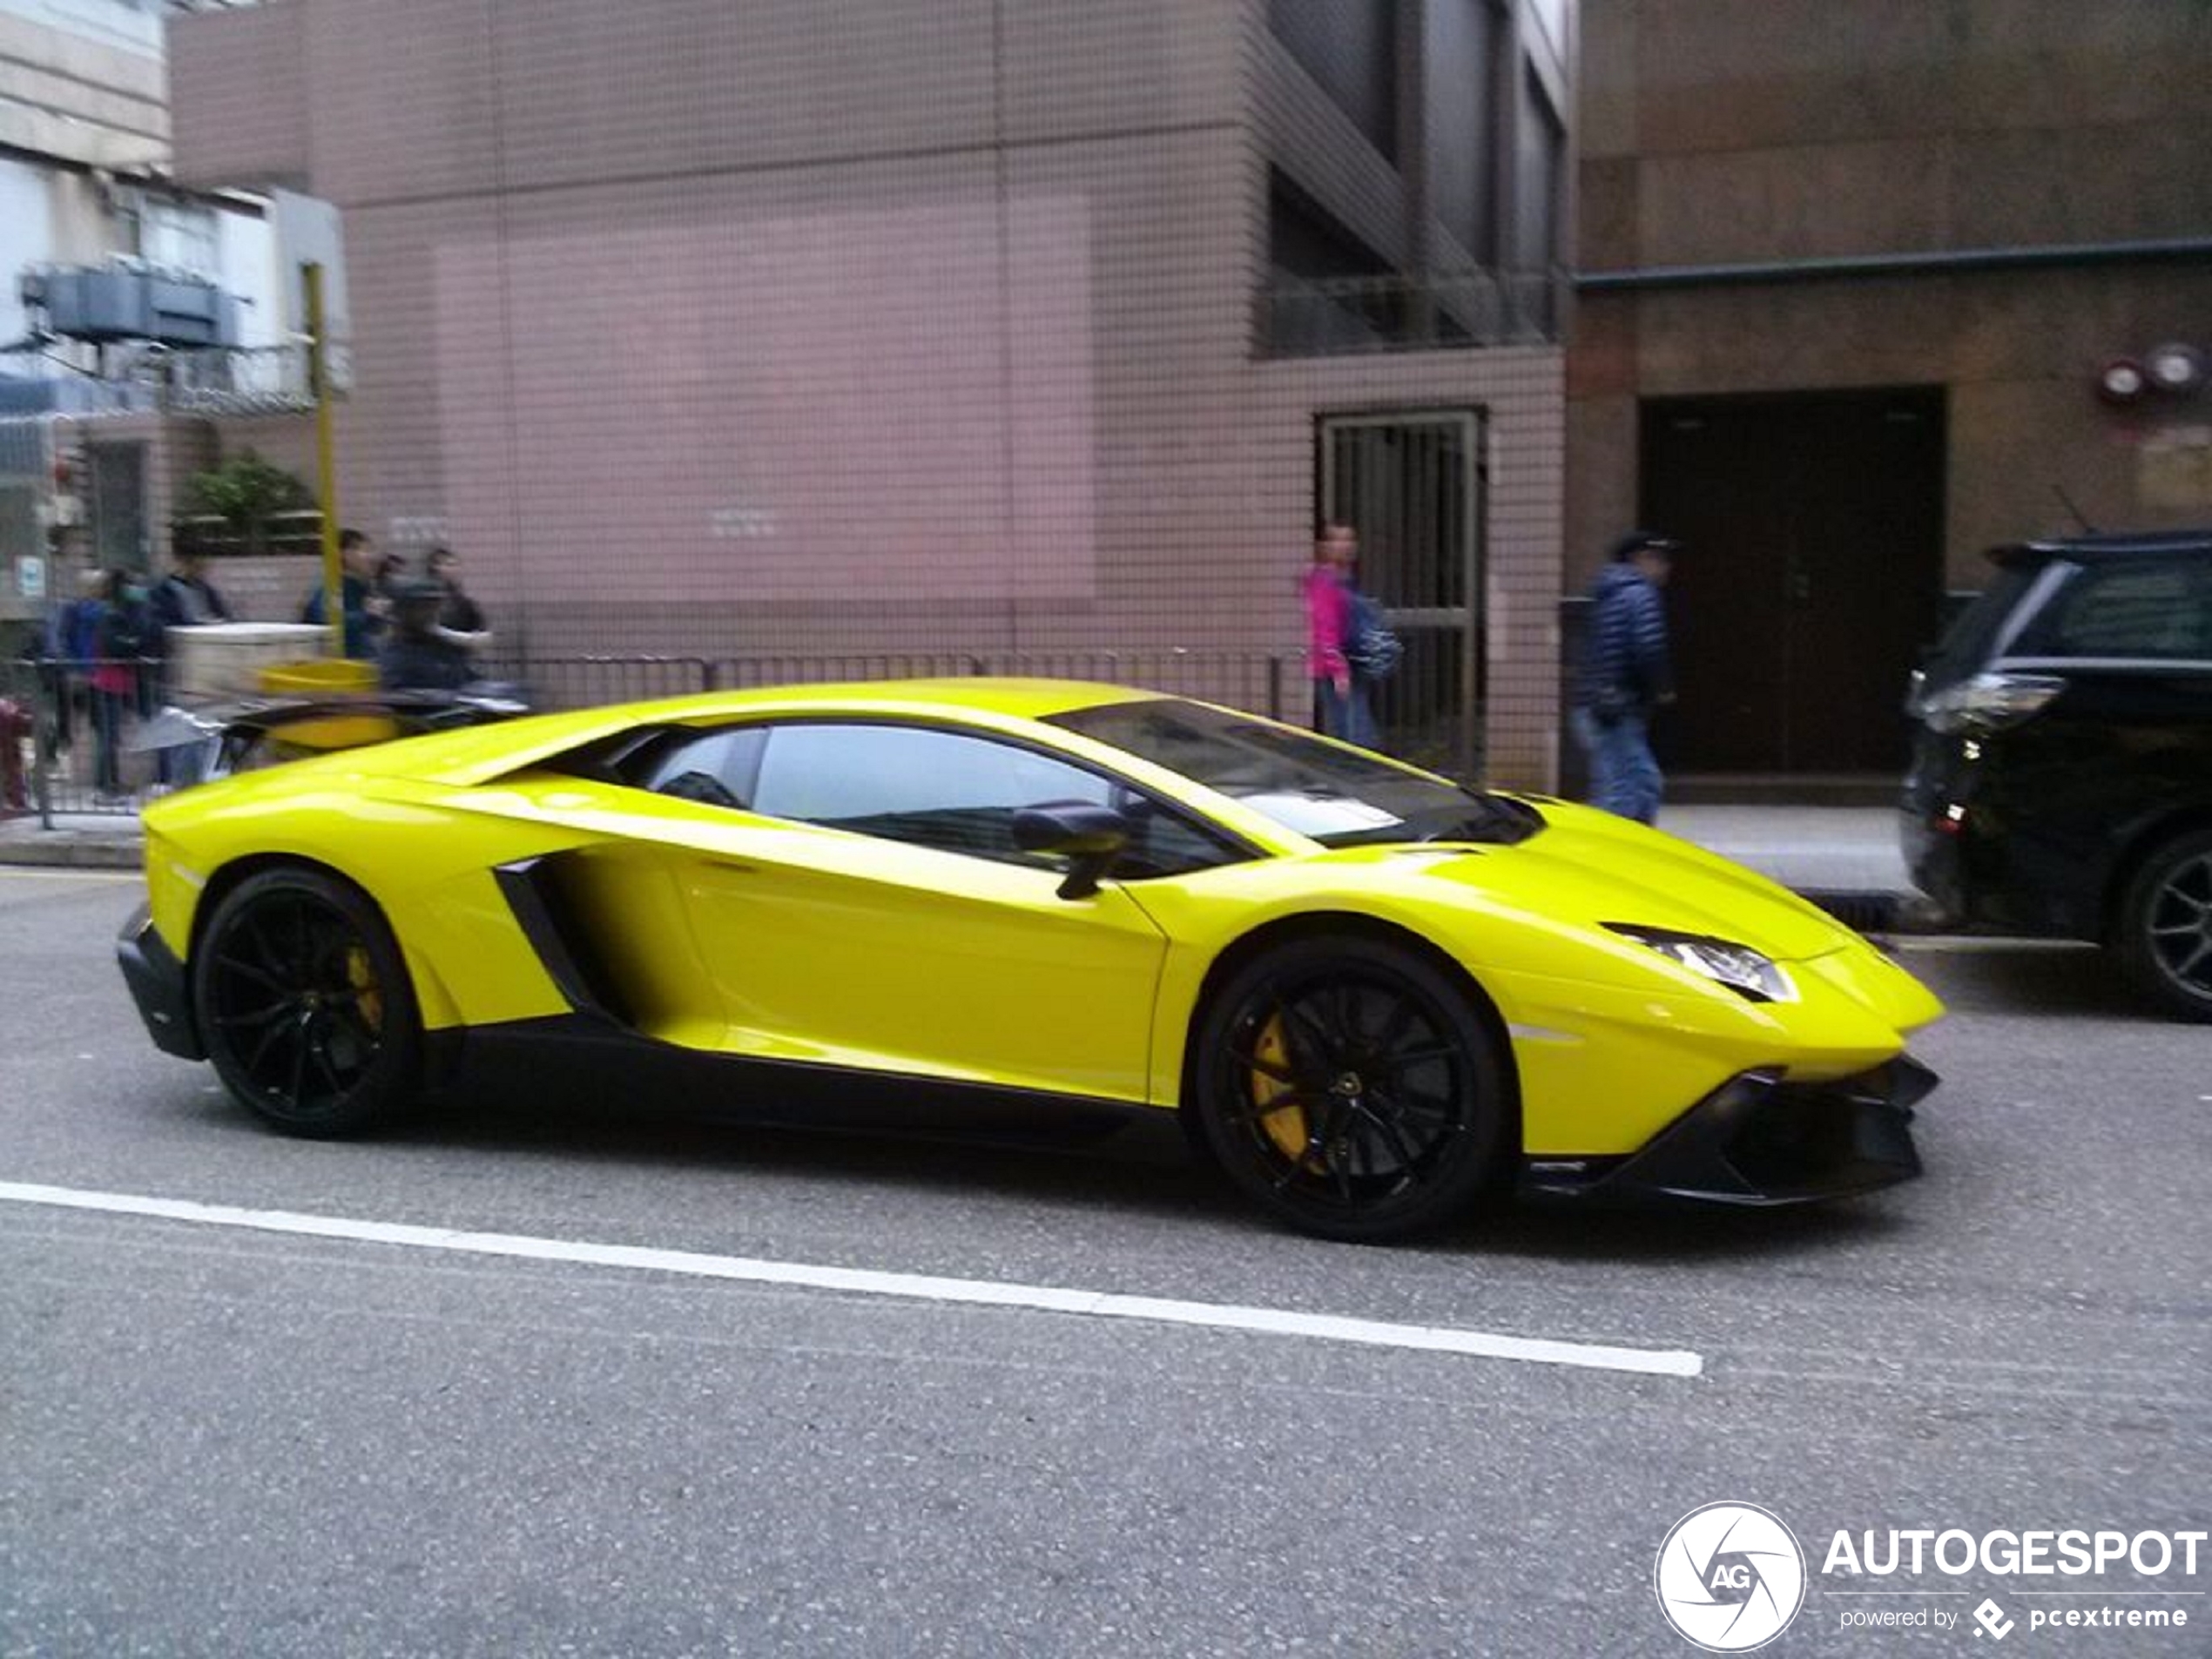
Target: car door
x,y
859,902
2127,737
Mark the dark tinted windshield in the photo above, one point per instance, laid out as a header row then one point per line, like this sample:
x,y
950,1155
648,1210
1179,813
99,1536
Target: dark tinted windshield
x,y
1340,797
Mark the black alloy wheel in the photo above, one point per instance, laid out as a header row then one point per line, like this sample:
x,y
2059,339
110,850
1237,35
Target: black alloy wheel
x,y
1352,1089
304,1003
2164,935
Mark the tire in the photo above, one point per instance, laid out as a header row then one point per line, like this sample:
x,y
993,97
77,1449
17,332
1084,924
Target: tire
x,y
1352,1089
305,1006
2163,931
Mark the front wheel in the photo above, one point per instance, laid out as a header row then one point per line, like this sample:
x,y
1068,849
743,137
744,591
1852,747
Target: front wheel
x,y
1350,1089
305,1006
2164,928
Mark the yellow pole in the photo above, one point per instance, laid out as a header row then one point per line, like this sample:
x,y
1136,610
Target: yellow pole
x,y
334,568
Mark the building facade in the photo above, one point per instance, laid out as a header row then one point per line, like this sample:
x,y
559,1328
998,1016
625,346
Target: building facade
x,y
945,326
1851,277
102,418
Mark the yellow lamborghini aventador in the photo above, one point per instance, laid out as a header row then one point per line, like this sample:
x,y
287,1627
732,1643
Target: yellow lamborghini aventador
x,y
1376,998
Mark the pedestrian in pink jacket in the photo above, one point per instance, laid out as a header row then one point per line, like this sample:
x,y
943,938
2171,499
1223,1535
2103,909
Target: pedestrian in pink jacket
x,y
1340,706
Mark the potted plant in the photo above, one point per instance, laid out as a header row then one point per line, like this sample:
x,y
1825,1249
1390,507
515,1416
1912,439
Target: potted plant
x,y
256,504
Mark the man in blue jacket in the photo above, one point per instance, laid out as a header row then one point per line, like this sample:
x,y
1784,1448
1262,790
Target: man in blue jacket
x,y
1625,676
365,610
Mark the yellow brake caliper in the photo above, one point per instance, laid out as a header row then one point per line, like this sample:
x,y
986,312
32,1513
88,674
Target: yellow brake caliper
x,y
1285,1124
362,978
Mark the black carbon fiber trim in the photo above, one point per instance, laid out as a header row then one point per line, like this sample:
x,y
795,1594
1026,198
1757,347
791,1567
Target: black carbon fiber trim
x,y
532,888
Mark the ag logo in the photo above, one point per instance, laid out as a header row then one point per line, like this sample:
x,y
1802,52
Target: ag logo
x,y
1729,1577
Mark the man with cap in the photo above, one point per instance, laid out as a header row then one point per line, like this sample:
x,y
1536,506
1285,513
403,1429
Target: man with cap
x,y
1625,676
416,655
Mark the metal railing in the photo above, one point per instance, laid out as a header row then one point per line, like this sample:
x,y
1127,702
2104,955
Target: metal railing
x,y
72,728
78,724
1254,680
1443,311
144,377
239,380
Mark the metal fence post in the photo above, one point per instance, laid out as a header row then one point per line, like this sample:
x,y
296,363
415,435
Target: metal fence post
x,y
46,745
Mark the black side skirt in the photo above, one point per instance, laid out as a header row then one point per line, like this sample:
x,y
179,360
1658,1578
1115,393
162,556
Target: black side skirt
x,y
579,1057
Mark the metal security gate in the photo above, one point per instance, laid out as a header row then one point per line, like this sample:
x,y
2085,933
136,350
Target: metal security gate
x,y
1411,483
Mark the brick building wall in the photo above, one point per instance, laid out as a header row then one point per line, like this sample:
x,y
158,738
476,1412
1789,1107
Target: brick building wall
x,y
799,327
1714,132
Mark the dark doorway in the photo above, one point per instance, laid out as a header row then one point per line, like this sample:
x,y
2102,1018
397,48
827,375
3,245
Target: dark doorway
x,y
1811,577
1410,482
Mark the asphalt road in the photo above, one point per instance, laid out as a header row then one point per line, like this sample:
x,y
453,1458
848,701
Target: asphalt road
x,y
222,1439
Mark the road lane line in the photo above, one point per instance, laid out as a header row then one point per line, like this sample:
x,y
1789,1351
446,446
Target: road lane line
x,y
1657,1362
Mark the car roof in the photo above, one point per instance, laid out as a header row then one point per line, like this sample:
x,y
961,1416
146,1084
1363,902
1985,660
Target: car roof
x,y
2107,545
482,753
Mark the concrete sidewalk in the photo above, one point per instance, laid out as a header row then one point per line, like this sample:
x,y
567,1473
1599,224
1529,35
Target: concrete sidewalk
x,y
87,840
1823,850
1829,849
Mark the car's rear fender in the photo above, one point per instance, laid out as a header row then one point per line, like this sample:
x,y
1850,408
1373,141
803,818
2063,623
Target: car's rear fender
x,y
433,999
428,866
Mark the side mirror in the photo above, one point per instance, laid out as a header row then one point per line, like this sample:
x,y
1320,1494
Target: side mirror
x,y
1090,838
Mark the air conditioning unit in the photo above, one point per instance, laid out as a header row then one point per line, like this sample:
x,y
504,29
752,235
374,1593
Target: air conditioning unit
x,y
125,303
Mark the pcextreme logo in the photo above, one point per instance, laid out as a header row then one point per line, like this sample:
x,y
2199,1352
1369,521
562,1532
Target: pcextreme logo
x,y
1729,1577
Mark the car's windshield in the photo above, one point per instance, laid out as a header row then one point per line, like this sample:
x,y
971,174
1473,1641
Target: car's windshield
x,y
1337,796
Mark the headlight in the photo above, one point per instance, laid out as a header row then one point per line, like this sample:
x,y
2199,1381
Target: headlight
x,y
1749,974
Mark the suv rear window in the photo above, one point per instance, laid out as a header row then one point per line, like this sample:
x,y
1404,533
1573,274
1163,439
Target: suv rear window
x,y
1968,643
2156,609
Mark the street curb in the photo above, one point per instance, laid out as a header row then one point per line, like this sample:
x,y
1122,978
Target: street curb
x,y
1878,911
50,849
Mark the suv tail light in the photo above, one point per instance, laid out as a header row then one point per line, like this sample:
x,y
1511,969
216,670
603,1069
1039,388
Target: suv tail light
x,y
1988,703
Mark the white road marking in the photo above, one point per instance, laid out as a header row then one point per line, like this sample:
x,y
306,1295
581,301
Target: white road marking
x,y
1657,1362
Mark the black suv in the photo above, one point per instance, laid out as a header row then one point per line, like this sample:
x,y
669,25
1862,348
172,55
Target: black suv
x,y
2062,780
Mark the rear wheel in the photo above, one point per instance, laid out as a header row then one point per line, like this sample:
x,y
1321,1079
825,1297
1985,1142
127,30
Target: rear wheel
x,y
1349,1088
2164,931
304,1003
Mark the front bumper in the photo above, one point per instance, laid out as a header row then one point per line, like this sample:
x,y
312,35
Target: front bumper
x,y
1759,1141
157,982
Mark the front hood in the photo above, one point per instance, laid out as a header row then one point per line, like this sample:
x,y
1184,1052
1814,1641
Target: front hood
x,y
1585,868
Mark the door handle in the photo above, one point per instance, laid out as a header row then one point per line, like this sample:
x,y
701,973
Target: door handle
x,y
733,866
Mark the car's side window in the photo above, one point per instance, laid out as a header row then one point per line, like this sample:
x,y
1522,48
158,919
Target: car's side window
x,y
719,767
954,792
2161,610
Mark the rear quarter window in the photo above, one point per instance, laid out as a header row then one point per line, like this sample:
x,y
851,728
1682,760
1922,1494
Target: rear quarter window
x,y
2159,611
1971,639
